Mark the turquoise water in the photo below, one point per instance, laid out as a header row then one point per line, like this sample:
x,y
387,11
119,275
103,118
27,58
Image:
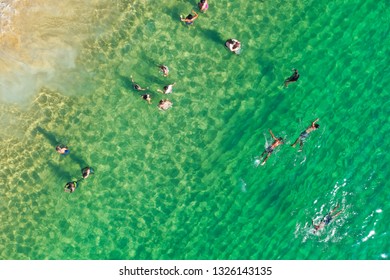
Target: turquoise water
x,y
185,183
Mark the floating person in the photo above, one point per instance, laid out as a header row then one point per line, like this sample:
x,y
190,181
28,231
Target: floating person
x,y
326,220
147,98
164,70
62,149
305,134
293,78
70,186
136,86
203,5
190,18
164,104
86,171
167,89
233,45
277,141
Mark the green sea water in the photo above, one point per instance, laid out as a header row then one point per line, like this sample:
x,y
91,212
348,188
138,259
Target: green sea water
x,y
185,183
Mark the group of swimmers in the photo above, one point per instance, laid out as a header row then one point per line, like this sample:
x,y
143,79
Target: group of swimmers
x,y
235,47
203,6
164,104
85,172
302,136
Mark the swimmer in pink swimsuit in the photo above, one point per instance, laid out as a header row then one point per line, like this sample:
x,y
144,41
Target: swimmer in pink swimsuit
x,y
203,5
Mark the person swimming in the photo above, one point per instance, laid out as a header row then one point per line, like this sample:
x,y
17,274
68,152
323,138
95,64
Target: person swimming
x,y
136,86
147,98
326,220
70,186
164,69
62,149
305,134
167,89
269,150
203,5
233,45
190,18
86,171
164,104
293,78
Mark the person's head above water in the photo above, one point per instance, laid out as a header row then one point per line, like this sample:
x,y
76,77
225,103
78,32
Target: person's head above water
x,y
189,16
316,125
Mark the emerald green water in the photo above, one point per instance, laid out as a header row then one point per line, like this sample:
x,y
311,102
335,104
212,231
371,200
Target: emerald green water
x,y
185,183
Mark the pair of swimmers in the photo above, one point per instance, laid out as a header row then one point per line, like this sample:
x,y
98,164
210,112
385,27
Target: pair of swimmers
x,y
71,186
279,140
203,6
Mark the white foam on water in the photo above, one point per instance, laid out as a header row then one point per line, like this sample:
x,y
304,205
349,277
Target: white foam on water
x,y
243,185
371,233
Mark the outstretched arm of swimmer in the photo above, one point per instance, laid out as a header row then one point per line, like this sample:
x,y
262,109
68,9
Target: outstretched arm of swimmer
x,y
273,136
338,213
316,120
334,209
196,15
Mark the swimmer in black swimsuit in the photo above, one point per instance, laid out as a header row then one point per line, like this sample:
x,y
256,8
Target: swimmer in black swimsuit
x,y
136,86
147,98
305,134
326,220
293,78
278,141
86,171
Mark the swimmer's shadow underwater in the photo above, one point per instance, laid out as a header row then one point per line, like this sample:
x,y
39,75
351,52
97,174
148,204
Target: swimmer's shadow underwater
x,y
60,173
213,35
52,139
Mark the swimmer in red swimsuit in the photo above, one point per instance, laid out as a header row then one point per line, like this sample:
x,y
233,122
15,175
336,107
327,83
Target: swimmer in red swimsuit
x,y
278,141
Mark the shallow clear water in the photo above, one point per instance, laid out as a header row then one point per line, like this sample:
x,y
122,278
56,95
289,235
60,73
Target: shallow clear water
x,y
185,183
